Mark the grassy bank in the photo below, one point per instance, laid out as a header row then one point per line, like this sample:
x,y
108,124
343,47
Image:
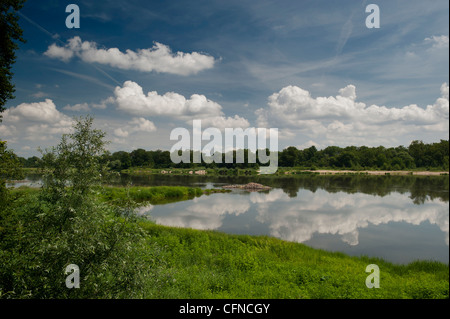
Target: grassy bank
x,y
153,194
138,194
187,263
209,264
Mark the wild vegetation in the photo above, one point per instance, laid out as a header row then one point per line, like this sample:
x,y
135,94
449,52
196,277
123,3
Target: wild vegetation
x,y
74,219
209,264
65,223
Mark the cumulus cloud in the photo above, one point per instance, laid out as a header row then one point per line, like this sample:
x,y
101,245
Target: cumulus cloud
x,y
137,124
104,103
131,99
61,53
36,112
7,130
158,58
142,125
40,122
341,119
119,132
80,107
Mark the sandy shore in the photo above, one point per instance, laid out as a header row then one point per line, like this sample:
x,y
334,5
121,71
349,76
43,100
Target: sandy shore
x,y
420,173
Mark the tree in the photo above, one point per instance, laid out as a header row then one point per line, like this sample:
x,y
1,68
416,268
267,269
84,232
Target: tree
x,y
290,157
139,157
9,168
417,150
10,32
67,223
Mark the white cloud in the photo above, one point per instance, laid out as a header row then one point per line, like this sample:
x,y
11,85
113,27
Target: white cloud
x,y
6,130
80,107
38,122
438,42
142,125
137,124
38,112
131,99
61,53
222,122
342,120
120,132
104,103
159,58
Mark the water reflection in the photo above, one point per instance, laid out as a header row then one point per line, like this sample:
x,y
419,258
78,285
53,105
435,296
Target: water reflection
x,y
419,188
308,216
400,218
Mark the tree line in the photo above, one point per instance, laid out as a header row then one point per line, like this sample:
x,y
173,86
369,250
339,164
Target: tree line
x,y
417,155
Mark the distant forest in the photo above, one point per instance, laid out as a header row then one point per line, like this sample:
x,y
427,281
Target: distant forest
x,y
416,155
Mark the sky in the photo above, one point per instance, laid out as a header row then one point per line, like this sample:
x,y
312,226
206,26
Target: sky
x,y
310,68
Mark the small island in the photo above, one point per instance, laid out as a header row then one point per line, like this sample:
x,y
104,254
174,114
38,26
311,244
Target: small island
x,y
249,186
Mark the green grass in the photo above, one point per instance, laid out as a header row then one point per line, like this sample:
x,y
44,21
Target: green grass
x,y
189,263
154,194
210,264
139,194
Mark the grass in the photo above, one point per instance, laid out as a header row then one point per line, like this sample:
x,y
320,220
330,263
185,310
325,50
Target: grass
x,y
196,264
210,264
141,195
152,195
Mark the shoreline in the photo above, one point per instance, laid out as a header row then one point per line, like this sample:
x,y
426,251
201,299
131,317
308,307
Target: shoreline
x,y
368,172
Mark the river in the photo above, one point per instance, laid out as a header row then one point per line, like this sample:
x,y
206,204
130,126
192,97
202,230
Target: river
x,y
398,218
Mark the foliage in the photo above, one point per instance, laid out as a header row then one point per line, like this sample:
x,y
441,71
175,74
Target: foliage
x,y
417,156
9,168
10,32
152,195
209,264
41,233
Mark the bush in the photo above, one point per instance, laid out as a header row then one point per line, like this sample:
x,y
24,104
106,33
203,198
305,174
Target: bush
x,y
65,223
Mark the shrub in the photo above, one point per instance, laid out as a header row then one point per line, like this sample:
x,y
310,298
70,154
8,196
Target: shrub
x,y
65,223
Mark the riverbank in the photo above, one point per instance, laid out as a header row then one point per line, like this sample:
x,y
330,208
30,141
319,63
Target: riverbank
x,y
282,171
200,264
209,264
414,173
138,195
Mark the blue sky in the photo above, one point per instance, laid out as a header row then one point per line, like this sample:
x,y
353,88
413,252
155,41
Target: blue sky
x,y
312,69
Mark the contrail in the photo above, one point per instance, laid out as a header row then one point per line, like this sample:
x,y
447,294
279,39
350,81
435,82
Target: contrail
x,y
56,37
347,29
53,36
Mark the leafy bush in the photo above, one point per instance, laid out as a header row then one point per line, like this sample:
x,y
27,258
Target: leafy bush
x,y
65,223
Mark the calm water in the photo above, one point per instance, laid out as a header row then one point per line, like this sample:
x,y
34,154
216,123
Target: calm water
x,y
398,218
